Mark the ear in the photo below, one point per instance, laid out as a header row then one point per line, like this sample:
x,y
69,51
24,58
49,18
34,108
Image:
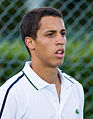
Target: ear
x,y
29,43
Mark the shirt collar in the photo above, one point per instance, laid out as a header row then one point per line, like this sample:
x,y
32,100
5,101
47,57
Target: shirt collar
x,y
65,79
39,83
34,79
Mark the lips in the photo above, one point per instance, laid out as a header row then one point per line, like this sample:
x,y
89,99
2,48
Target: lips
x,y
60,53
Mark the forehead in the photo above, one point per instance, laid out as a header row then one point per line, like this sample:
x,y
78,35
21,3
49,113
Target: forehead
x,y
51,22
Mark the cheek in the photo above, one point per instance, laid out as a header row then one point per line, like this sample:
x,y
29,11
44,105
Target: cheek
x,y
44,52
46,47
41,50
43,46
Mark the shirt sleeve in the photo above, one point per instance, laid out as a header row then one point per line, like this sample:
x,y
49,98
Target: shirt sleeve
x,y
7,106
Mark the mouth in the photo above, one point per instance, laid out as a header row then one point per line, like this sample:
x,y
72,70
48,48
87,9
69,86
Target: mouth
x,y
60,53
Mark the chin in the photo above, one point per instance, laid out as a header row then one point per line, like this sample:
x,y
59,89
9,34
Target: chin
x,y
57,63
60,62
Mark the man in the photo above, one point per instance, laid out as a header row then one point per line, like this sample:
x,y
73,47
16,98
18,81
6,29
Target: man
x,y
41,90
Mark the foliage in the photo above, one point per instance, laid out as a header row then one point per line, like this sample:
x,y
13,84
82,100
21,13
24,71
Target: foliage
x,y
12,58
11,13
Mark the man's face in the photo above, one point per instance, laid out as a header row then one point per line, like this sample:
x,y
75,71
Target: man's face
x,y
50,42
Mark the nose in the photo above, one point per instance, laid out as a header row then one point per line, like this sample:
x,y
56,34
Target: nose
x,y
61,40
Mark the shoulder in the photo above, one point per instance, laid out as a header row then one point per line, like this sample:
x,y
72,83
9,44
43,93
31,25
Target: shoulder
x,y
77,86
8,89
11,81
7,93
9,85
71,79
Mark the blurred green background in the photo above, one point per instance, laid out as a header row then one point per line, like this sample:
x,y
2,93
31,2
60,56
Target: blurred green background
x,y
78,18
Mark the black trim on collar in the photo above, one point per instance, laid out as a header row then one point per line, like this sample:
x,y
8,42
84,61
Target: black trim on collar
x,y
30,81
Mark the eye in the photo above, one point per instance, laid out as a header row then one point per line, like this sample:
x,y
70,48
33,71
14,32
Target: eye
x,y
63,33
50,34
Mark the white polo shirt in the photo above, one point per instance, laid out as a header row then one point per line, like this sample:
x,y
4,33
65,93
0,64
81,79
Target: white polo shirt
x,y
27,96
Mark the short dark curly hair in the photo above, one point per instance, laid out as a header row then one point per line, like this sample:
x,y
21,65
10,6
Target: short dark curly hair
x,y
30,23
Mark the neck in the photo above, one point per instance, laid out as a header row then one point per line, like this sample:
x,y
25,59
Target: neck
x,y
49,74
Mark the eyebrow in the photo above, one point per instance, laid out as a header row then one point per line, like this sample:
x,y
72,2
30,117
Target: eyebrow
x,y
50,31
63,30
54,31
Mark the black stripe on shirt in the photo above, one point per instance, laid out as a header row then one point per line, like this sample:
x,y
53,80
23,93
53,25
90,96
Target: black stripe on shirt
x,y
7,92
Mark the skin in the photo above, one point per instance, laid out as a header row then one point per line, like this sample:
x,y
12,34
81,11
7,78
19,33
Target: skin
x,y
45,59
